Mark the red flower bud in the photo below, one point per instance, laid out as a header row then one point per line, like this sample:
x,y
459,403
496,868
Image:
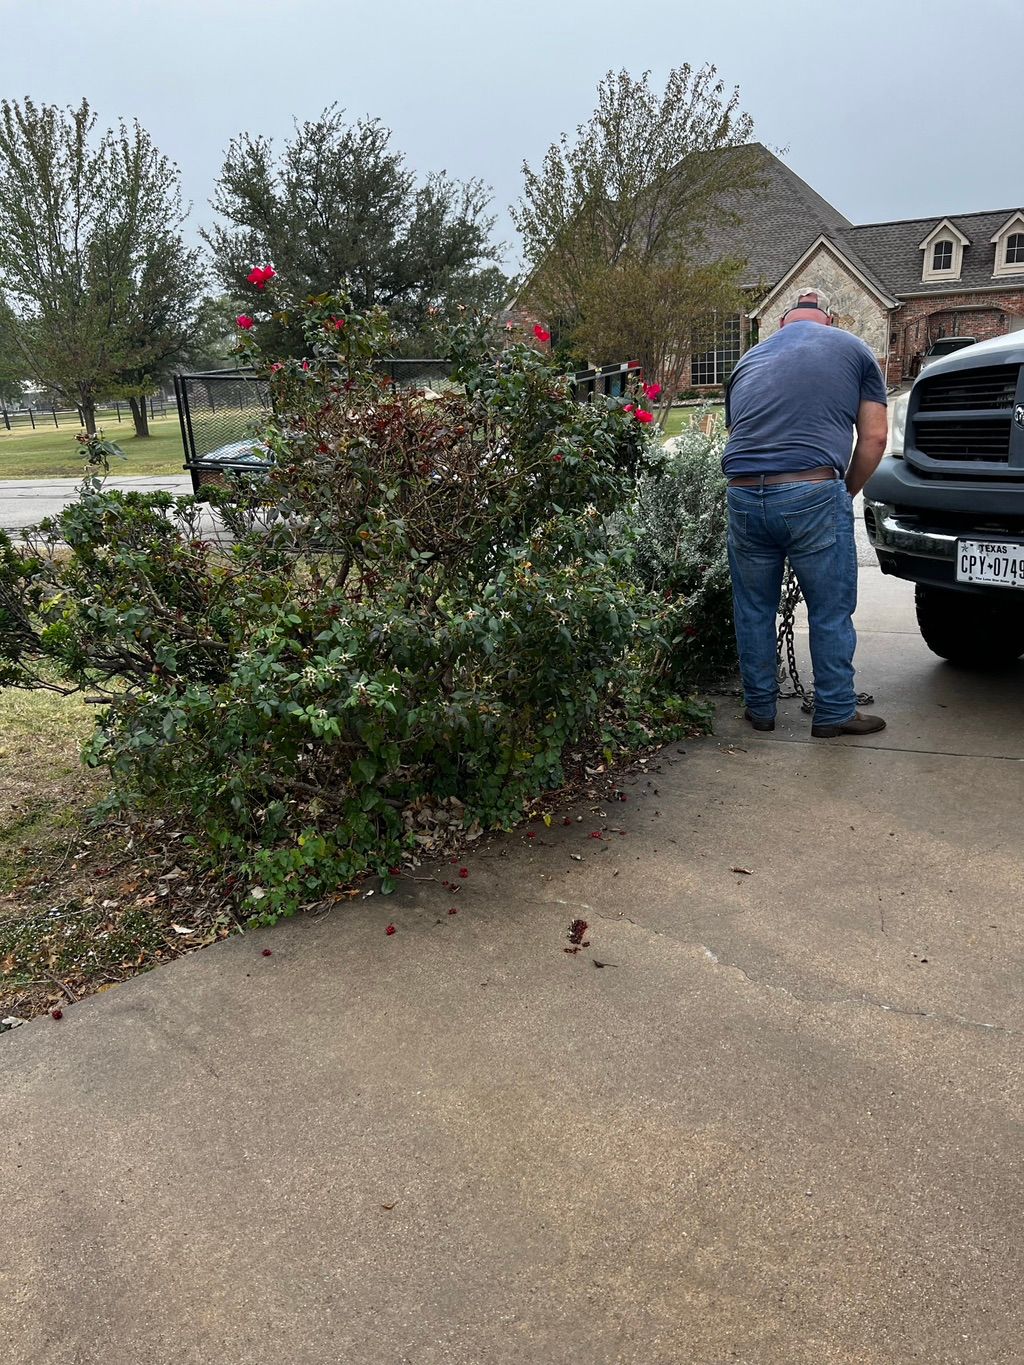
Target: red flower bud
x,y
629,408
244,321
557,459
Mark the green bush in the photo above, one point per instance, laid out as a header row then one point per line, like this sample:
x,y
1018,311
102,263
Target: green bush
x,y
680,524
422,602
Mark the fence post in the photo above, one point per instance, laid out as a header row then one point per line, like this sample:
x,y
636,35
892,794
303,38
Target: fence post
x,y
117,409
32,418
54,411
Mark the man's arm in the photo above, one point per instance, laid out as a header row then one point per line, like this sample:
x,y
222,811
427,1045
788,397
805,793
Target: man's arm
x,y
872,438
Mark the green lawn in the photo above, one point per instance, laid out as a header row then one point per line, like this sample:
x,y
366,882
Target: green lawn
x,y
679,418
55,455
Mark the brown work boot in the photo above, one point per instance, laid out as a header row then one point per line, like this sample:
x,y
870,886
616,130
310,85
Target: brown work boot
x,y
856,725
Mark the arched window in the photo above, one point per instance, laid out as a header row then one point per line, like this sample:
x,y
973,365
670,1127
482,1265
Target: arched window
x,y
942,255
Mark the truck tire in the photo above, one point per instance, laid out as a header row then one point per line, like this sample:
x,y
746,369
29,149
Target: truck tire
x,y
970,629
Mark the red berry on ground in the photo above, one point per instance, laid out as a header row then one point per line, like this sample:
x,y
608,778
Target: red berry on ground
x,y
463,871
453,910
56,1014
267,952
390,929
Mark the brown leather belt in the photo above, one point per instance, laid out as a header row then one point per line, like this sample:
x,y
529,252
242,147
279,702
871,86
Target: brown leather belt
x,y
819,475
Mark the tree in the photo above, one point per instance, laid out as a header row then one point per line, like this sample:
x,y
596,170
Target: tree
x,y
91,258
339,205
659,315
162,321
10,367
646,178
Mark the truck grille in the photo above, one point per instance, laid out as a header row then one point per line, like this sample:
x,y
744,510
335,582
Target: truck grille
x,y
970,438
991,387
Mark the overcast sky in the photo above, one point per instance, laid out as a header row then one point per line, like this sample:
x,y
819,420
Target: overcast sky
x,y
890,110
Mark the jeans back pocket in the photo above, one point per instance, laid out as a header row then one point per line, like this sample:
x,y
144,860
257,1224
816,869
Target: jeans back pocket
x,y
813,528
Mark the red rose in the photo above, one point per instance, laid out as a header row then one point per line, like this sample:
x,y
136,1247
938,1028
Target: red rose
x,y
644,417
260,274
390,929
244,321
652,391
336,323
276,366
541,334
557,458
629,408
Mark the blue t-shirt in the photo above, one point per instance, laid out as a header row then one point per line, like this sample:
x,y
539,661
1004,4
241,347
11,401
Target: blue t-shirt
x,y
792,400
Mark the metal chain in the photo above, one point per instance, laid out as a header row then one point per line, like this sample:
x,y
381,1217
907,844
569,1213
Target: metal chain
x,y
791,599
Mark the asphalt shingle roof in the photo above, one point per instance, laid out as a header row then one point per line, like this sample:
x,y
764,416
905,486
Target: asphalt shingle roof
x,y
777,223
891,250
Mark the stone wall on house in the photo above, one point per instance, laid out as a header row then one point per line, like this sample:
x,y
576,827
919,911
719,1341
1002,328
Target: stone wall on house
x,y
855,308
922,320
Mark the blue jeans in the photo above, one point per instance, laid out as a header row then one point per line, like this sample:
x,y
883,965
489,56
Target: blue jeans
x,y
811,524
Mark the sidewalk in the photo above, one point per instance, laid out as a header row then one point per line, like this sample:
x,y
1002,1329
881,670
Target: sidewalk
x,y
781,1125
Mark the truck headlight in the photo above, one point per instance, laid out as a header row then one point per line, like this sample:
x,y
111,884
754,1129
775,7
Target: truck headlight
x,y
899,424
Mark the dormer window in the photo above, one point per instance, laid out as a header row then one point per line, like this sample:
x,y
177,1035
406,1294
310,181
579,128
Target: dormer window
x,y
942,256
943,250
1009,244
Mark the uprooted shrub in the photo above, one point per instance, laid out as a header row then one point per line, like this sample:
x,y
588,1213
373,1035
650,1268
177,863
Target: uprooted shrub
x,y
679,524
421,601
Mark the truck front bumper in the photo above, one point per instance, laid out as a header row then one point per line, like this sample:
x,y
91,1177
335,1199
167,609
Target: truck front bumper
x,y
914,523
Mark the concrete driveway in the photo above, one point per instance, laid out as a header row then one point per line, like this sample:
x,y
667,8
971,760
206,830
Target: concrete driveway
x,y
25,502
780,1125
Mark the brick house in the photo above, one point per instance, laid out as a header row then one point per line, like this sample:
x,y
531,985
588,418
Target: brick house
x,y
899,285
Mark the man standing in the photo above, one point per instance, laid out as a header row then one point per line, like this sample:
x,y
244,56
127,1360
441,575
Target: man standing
x,y
791,407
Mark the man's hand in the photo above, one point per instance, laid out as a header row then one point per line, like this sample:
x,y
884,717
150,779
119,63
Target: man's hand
x,y
872,438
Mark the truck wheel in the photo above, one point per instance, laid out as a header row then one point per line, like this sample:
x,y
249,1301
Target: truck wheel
x,y
969,629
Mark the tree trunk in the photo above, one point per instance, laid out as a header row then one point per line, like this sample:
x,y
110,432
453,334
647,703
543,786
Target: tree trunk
x,y
88,406
140,416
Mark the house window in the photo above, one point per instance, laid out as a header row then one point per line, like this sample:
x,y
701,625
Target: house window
x,y
942,255
1015,248
715,366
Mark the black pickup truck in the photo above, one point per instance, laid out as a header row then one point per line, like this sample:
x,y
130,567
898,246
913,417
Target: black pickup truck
x,y
945,508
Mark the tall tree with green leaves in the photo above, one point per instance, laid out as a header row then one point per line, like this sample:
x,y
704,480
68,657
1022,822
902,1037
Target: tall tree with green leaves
x,y
640,186
338,204
92,262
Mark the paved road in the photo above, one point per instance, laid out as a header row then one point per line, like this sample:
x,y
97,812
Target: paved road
x,y
781,1126
25,502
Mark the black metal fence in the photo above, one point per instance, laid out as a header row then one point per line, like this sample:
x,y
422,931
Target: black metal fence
x,y
222,412
41,419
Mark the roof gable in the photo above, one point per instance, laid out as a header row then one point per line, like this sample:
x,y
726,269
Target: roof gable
x,y
772,223
947,228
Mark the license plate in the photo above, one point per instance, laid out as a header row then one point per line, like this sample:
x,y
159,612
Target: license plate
x,y
999,562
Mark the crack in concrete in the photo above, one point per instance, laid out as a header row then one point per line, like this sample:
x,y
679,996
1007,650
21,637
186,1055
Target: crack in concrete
x,y
859,1001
